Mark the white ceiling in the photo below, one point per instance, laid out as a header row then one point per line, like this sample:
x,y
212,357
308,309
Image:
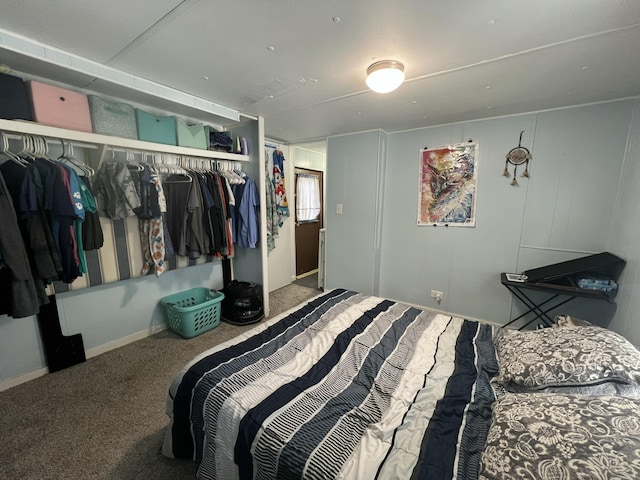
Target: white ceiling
x,y
301,63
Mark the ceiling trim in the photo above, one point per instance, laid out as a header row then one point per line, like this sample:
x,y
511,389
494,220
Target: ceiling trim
x,y
54,56
528,51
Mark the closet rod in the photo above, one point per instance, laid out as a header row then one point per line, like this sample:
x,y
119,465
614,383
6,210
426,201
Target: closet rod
x,y
271,146
135,152
230,163
51,141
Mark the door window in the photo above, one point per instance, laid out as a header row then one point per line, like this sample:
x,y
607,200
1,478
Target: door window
x,y
307,198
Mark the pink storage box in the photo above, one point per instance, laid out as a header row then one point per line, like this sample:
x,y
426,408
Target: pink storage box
x,y
60,107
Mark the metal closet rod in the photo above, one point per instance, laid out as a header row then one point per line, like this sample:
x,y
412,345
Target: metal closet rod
x,y
176,160
50,141
147,155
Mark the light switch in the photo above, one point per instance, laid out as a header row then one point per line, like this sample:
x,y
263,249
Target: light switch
x,y
338,208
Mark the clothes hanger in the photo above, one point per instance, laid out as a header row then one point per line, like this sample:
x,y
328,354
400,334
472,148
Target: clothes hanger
x,y
186,178
132,165
239,174
177,171
238,169
221,170
229,174
86,169
5,149
160,168
150,164
28,148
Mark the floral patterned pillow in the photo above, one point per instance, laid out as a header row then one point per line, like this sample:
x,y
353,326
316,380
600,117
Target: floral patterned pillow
x,y
565,357
547,436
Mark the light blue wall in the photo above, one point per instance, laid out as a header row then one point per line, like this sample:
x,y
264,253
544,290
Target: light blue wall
x,y
355,166
563,211
308,158
103,315
624,237
247,262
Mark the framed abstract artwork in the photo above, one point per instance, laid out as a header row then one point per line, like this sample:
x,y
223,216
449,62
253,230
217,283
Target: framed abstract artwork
x,y
447,188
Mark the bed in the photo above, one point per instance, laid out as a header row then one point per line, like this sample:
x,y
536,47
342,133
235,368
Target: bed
x,y
351,386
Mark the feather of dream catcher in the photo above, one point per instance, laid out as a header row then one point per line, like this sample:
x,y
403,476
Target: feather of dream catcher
x,y
516,157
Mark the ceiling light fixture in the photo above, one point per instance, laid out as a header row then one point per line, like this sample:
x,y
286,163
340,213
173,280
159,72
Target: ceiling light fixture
x,y
385,76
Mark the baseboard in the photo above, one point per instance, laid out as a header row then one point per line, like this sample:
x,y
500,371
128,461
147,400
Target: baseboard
x,y
449,314
92,352
121,342
27,377
307,274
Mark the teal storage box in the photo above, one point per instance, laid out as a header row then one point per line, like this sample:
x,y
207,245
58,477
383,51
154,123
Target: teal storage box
x,y
192,136
194,311
156,129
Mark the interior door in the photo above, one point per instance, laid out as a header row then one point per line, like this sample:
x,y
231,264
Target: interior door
x,y
308,218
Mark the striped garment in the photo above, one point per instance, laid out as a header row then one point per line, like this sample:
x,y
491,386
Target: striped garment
x,y
344,386
120,258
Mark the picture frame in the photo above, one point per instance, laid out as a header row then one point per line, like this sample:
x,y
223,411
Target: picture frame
x,y
447,185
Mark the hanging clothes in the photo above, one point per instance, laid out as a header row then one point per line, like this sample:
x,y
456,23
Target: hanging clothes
x,y
207,214
282,205
194,241
177,190
152,241
63,229
47,187
35,229
150,223
92,235
246,214
272,211
18,295
75,192
116,194
222,199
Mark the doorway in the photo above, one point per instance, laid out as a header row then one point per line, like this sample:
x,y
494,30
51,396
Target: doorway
x,y
309,216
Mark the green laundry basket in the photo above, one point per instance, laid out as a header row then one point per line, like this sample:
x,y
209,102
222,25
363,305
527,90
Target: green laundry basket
x,y
194,311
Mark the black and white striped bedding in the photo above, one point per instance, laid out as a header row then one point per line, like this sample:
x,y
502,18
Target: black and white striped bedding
x,y
345,386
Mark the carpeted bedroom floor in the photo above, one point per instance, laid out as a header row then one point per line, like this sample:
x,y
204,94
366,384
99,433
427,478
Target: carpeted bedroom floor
x,y
105,418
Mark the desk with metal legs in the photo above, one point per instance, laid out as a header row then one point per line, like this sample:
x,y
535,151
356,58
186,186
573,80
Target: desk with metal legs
x,y
558,281
558,295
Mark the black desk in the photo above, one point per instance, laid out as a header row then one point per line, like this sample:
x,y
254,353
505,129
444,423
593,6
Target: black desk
x,y
558,295
558,281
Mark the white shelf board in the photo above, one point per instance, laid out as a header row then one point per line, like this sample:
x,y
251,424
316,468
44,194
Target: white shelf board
x,y
32,128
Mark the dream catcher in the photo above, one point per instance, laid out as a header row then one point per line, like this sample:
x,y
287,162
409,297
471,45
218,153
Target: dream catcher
x,y
516,157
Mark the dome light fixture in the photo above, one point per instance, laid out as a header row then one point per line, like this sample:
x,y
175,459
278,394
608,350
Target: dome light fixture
x,y
385,76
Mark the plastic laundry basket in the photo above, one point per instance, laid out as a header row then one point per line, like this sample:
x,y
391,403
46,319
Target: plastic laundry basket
x,y
194,311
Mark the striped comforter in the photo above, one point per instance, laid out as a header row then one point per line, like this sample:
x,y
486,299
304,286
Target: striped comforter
x,y
345,386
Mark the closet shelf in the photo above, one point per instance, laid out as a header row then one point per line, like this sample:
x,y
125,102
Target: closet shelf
x,y
31,128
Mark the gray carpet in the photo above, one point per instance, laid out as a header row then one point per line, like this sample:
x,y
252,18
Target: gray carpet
x,y
105,418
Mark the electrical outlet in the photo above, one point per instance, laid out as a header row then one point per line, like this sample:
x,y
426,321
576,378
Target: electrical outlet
x,y
437,295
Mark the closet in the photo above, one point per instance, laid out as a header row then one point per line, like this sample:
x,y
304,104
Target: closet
x,y
247,264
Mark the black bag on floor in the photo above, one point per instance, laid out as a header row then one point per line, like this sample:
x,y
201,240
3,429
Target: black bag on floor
x,y
242,303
